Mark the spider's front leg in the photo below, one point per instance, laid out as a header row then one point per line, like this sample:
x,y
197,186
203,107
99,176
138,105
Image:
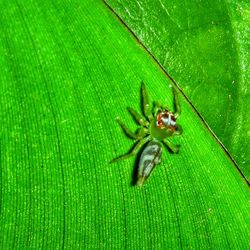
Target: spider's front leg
x,y
138,118
158,107
177,107
145,103
178,129
174,148
133,152
136,136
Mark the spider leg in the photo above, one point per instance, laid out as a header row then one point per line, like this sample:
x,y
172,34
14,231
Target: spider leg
x,y
134,150
145,103
129,133
158,107
177,107
174,148
178,129
138,118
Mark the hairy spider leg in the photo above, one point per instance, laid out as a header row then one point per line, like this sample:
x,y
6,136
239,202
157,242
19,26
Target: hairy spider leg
x,y
178,129
177,107
174,148
158,107
145,103
134,151
137,136
138,118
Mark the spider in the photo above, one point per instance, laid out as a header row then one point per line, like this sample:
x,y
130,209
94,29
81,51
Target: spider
x,y
156,128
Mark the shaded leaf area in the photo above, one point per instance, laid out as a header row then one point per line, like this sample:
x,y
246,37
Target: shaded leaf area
x,y
204,45
68,69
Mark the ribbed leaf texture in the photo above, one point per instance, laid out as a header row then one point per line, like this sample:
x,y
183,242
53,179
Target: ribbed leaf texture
x,y
68,68
204,45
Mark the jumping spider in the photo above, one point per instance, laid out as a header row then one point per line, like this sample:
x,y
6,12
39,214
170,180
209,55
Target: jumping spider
x,y
155,130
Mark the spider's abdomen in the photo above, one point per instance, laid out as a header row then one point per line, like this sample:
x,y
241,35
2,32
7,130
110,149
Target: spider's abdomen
x,y
150,157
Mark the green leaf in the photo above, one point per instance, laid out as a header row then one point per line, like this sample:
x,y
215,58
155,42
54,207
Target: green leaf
x,y
204,46
67,70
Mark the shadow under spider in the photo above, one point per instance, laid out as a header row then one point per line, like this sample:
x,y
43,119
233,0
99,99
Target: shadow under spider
x,y
134,176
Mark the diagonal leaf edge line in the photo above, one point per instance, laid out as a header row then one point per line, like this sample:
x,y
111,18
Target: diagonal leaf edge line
x,y
178,87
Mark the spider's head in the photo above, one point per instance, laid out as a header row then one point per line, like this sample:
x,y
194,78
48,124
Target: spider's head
x,y
166,120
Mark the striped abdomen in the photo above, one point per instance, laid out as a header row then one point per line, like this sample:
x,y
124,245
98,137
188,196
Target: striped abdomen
x,y
150,157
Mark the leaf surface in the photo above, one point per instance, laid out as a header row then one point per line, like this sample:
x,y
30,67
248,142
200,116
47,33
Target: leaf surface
x,y
204,46
68,69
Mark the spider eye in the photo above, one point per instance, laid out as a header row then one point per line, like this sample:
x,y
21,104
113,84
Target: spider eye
x,y
166,119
